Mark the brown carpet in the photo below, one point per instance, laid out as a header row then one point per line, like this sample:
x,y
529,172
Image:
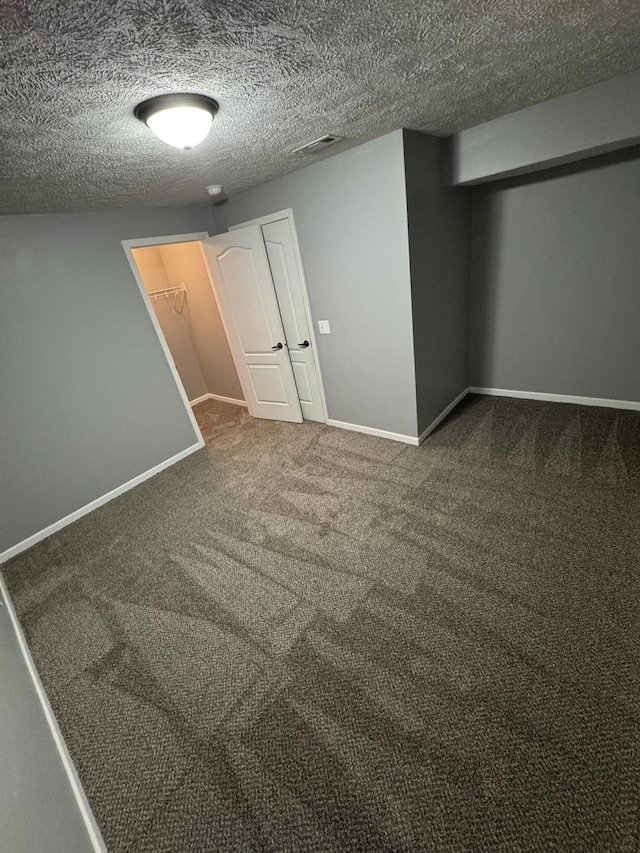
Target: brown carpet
x,y
304,639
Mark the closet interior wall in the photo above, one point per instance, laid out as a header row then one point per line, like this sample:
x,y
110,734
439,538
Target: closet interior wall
x,y
191,321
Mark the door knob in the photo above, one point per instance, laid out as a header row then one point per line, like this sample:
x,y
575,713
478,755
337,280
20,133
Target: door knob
x,y
277,346
304,344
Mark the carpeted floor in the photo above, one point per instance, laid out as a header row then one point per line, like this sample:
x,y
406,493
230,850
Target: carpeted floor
x,y
305,639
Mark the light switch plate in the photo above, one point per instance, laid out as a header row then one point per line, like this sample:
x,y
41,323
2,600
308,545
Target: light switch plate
x,y
324,327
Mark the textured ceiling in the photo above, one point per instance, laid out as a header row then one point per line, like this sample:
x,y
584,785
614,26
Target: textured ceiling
x,y
284,72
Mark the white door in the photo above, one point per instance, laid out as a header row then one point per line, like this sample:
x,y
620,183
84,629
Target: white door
x,y
279,244
249,310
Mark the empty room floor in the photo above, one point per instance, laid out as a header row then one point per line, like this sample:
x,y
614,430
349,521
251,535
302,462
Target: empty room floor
x,y
305,639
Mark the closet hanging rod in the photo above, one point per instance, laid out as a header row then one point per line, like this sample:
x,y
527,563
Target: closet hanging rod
x,y
166,291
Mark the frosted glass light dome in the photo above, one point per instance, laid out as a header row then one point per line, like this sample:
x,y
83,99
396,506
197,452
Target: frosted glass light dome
x,y
182,121
182,127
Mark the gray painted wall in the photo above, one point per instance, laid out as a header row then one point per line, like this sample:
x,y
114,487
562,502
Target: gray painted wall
x,y
581,124
38,810
439,234
88,401
555,292
351,218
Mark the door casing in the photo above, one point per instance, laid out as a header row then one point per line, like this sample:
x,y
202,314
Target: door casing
x,y
142,243
198,237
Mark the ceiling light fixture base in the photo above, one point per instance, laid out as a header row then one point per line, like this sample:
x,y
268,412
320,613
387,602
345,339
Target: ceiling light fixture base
x,y
180,119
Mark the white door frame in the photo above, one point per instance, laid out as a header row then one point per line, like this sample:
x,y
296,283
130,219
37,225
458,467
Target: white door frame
x,y
142,243
266,220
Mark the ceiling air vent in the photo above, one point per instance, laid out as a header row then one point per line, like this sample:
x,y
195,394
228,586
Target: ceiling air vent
x,y
318,144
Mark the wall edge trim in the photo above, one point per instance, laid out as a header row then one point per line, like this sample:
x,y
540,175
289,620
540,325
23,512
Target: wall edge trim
x,y
18,548
79,794
558,398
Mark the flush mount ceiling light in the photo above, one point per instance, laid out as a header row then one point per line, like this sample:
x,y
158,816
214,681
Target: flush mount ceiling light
x,y
181,120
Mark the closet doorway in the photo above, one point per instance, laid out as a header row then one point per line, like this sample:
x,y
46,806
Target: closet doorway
x,y
232,315
175,280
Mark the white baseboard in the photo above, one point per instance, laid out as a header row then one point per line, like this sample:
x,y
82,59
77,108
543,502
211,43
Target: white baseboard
x,y
218,397
558,398
74,516
72,774
195,402
381,433
442,415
